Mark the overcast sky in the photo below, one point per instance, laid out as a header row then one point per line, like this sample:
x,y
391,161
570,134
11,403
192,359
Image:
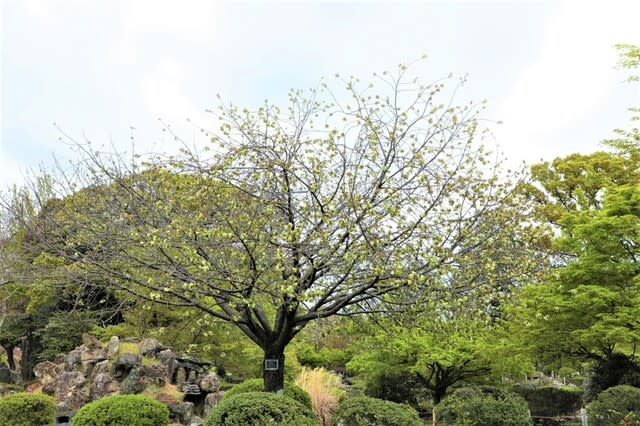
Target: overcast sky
x,y
98,68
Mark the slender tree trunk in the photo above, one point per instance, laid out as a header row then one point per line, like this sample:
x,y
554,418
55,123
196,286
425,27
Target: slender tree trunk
x,y
10,360
273,369
29,351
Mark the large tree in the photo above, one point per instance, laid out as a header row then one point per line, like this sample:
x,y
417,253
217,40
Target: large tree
x,y
328,208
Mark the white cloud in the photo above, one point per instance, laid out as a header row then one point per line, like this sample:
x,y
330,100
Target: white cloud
x,y
187,19
569,78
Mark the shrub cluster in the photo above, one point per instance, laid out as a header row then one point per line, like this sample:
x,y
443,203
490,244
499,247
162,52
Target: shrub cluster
x,y
551,401
27,409
619,405
483,406
365,411
256,385
123,410
260,409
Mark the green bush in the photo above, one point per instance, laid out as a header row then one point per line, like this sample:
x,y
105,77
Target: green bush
x,y
398,386
123,410
256,385
551,401
27,409
483,406
365,411
260,409
619,405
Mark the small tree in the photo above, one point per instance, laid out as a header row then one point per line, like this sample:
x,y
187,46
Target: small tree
x,y
326,209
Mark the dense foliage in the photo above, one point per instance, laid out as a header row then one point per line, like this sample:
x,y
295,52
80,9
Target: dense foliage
x,y
551,401
365,411
260,409
618,405
123,410
27,409
291,390
483,407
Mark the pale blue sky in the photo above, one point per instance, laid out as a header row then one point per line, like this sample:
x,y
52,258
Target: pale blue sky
x,y
98,67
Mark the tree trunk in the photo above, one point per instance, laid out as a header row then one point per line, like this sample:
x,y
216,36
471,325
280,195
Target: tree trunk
x,y
272,371
29,352
10,360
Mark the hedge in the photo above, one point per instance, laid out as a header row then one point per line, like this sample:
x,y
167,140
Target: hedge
x,y
365,411
27,409
256,385
122,410
260,409
619,405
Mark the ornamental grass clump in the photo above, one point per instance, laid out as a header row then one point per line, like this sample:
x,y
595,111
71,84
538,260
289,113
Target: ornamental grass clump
x,y
325,389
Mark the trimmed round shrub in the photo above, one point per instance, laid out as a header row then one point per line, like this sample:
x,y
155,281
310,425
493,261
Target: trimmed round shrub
x,y
123,410
619,405
483,406
27,409
291,390
551,401
365,411
260,409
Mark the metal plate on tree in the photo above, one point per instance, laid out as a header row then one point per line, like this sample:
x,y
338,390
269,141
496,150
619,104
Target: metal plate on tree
x,y
271,365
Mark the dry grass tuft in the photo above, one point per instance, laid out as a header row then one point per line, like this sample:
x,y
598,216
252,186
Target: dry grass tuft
x,y
325,389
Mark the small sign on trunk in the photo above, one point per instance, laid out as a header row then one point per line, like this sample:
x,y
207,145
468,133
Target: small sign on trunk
x,y
271,365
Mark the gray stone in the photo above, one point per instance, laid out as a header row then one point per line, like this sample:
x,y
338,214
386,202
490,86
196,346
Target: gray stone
x,y
209,382
181,412
211,401
193,377
150,346
113,347
70,391
196,421
125,363
181,377
103,384
168,359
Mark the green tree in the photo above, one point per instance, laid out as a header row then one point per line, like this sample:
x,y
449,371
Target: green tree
x,y
327,208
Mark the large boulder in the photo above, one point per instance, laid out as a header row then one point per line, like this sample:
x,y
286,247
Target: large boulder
x,y
181,412
209,382
113,347
211,401
103,384
150,346
70,391
141,377
168,359
124,364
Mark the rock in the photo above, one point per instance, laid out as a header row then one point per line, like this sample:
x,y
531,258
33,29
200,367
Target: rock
x,y
181,377
168,359
193,377
91,342
113,347
190,389
74,358
125,363
181,412
101,367
103,384
70,392
196,421
211,401
150,346
46,371
141,377
5,375
209,383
